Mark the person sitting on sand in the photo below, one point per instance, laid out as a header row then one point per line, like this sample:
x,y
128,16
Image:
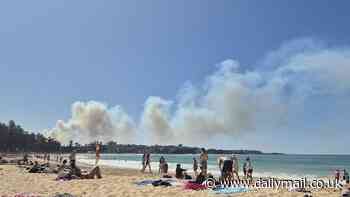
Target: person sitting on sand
x,y
63,166
180,173
77,173
163,166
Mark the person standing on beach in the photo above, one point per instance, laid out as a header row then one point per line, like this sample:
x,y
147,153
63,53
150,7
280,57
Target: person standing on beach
x,y
48,159
221,164
143,162
195,166
98,151
161,163
235,166
337,175
346,176
248,169
203,161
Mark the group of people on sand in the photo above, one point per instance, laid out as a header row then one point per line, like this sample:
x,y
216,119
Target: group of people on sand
x,y
63,169
229,167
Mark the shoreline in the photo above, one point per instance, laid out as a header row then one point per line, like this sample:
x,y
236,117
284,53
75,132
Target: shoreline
x,y
115,182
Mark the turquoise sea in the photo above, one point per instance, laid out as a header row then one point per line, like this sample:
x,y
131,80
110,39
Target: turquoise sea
x,y
283,166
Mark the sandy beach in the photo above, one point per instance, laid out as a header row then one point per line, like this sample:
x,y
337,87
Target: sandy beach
x,y
15,180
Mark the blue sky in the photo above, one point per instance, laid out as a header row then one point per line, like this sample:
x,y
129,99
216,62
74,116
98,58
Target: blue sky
x,y
54,53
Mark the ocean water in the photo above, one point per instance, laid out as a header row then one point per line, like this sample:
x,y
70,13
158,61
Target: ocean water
x,y
282,166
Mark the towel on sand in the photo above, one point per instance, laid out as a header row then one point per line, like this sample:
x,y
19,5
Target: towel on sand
x,y
194,186
158,182
229,190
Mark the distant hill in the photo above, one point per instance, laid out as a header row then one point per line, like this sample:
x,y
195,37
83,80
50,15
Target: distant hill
x,y
113,147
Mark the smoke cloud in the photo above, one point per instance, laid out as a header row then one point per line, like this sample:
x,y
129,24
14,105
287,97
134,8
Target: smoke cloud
x,y
93,121
230,102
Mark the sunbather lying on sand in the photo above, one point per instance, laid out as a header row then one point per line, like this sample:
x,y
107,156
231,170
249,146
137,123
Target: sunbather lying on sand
x,y
73,172
39,168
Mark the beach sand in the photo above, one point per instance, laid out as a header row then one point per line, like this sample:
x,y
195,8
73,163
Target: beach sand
x,y
115,182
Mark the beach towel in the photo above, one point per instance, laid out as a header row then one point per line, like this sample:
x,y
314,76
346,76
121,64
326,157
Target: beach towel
x,y
63,195
194,186
144,182
151,181
229,190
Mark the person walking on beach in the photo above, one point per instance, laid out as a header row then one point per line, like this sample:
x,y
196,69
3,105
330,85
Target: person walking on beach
x,y
195,166
98,151
203,161
146,160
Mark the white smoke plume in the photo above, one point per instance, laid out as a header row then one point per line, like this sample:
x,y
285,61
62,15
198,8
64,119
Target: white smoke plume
x,y
93,121
231,101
